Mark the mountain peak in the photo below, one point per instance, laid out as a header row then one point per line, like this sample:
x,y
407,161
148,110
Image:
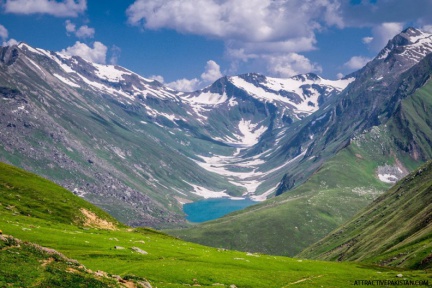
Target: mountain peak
x,y
412,34
305,77
407,48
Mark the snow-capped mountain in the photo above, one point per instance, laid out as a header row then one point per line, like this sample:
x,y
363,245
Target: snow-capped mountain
x,y
291,99
405,50
370,100
136,147
339,158
141,150
298,96
260,102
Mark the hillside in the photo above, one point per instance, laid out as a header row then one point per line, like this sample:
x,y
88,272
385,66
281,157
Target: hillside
x,y
287,224
354,148
138,255
26,264
394,230
25,194
139,149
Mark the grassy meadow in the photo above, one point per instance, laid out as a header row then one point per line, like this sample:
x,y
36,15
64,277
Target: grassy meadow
x,y
35,210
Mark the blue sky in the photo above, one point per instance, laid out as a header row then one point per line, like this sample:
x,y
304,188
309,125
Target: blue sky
x,y
187,44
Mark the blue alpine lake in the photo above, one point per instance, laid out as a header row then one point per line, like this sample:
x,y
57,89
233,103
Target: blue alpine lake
x,y
210,209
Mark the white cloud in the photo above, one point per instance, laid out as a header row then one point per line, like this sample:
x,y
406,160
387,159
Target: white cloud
x,y
66,8
289,65
357,62
82,32
185,85
367,40
96,54
85,32
3,32
339,75
70,27
115,54
427,28
158,78
10,42
212,72
382,33
249,20
253,30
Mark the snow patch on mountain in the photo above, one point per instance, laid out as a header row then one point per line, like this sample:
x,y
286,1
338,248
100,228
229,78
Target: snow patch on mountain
x,y
390,174
298,92
66,81
105,88
251,133
23,45
248,137
265,195
207,193
36,65
207,98
413,45
250,178
387,178
110,73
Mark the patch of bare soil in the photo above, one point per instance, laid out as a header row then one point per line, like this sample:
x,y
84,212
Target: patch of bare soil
x,y
92,220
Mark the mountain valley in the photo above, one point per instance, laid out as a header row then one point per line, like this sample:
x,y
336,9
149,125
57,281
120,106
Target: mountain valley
x,y
350,156
99,130
313,151
50,237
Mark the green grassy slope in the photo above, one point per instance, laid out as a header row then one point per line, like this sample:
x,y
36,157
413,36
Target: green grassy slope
x,y
23,193
169,262
411,125
394,230
25,264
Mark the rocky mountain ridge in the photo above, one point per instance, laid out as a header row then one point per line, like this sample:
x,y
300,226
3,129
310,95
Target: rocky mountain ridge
x,y
339,158
137,148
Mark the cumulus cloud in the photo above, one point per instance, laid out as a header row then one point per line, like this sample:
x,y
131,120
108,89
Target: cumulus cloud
x,y
82,32
85,32
339,75
115,55
357,62
367,40
290,64
66,8
249,20
253,30
10,42
185,85
382,34
96,54
427,28
4,34
70,27
211,73
158,78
